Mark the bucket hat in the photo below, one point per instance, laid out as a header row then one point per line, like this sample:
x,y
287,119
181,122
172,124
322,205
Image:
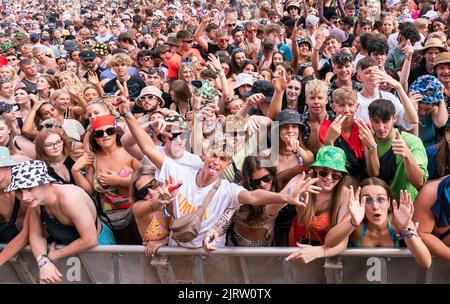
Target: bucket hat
x,y
242,79
150,90
429,87
29,174
331,157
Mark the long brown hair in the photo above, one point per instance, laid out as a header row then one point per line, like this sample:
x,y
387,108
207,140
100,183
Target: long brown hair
x,y
250,165
40,141
305,214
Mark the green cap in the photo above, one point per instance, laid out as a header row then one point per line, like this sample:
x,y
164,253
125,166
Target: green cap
x,y
331,157
5,158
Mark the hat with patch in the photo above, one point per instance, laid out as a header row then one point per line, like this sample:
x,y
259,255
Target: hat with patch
x,y
29,174
87,55
205,89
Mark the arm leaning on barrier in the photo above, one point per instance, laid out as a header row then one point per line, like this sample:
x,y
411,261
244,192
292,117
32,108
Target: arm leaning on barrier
x,y
423,214
219,229
17,243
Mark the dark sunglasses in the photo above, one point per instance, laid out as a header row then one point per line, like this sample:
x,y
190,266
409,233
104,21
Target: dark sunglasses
x,y
231,24
334,176
236,133
48,125
188,41
88,60
100,133
266,178
183,135
146,58
141,193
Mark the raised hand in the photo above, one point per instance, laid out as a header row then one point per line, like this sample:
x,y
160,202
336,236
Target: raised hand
x,y
93,78
87,159
415,98
399,146
365,134
335,129
281,81
299,195
123,103
408,49
215,62
357,209
404,211
123,88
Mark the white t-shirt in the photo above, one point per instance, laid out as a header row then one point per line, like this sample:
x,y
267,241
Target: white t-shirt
x,y
363,109
190,197
188,160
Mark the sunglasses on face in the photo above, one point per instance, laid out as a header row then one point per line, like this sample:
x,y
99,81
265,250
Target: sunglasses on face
x,y
146,58
266,178
100,133
236,133
223,40
188,41
231,24
147,97
334,176
380,200
182,135
141,193
88,60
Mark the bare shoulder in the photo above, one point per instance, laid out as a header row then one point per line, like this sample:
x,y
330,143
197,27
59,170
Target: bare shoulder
x,y
71,193
428,194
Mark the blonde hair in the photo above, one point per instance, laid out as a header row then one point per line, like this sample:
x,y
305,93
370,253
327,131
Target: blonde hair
x,y
56,93
15,78
345,95
421,23
120,58
72,76
315,87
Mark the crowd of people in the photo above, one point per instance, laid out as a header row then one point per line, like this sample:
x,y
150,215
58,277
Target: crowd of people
x,y
203,124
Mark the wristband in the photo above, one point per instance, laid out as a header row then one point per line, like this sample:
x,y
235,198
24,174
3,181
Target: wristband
x,y
41,256
401,236
371,148
356,226
127,114
45,262
75,170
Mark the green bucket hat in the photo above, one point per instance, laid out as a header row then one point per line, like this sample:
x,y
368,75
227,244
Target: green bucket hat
x,y
331,157
5,158
205,89
178,120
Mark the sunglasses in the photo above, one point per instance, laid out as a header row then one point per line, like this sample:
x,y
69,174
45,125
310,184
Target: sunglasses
x,y
266,178
334,176
147,97
182,135
141,193
188,41
100,133
253,30
380,200
88,60
48,125
146,58
231,24
224,40
4,79
236,133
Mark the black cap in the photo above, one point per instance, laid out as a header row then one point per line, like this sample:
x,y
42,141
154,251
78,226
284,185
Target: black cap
x,y
87,54
264,87
288,116
45,38
4,107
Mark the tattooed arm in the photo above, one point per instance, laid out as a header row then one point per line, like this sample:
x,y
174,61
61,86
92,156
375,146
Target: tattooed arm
x,y
220,228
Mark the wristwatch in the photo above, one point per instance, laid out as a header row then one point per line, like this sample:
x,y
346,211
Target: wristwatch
x,y
371,148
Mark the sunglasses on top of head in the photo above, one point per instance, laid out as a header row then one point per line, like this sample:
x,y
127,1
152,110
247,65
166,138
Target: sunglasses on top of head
x,y
100,133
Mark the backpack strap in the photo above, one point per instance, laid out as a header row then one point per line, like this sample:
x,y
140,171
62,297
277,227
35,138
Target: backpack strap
x,y
208,199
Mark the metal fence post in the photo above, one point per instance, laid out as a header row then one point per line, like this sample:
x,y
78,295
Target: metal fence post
x,y
334,270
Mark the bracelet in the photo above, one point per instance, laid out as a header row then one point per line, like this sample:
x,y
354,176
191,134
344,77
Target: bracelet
x,y
356,226
127,114
401,236
47,261
41,256
371,148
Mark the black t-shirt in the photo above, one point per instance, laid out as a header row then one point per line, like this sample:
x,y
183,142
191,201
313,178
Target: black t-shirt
x,y
416,73
97,71
135,86
213,48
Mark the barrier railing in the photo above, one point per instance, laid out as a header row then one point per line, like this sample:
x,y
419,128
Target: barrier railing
x,y
235,265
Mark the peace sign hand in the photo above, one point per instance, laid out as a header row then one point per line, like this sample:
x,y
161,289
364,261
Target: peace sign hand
x,y
335,129
357,208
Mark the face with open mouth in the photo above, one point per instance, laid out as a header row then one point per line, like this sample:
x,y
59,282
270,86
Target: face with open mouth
x,y
377,204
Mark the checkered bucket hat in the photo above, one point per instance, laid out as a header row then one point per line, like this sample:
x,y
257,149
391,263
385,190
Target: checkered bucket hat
x,y
29,174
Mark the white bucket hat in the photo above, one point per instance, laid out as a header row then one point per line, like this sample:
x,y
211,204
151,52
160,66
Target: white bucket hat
x,y
243,78
29,174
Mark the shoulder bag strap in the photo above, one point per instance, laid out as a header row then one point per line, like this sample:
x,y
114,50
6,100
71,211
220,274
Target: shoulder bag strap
x,y
208,198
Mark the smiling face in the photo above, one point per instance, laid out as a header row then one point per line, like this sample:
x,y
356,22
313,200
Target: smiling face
x,y
105,141
91,94
377,204
327,178
62,102
289,131
264,177
443,72
431,54
32,197
316,103
6,89
343,71
143,181
239,57
293,90
21,96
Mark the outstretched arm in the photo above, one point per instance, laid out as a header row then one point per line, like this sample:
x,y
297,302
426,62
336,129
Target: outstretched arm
x,y
17,243
143,140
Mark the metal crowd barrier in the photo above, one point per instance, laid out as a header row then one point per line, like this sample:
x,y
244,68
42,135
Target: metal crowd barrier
x,y
231,265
